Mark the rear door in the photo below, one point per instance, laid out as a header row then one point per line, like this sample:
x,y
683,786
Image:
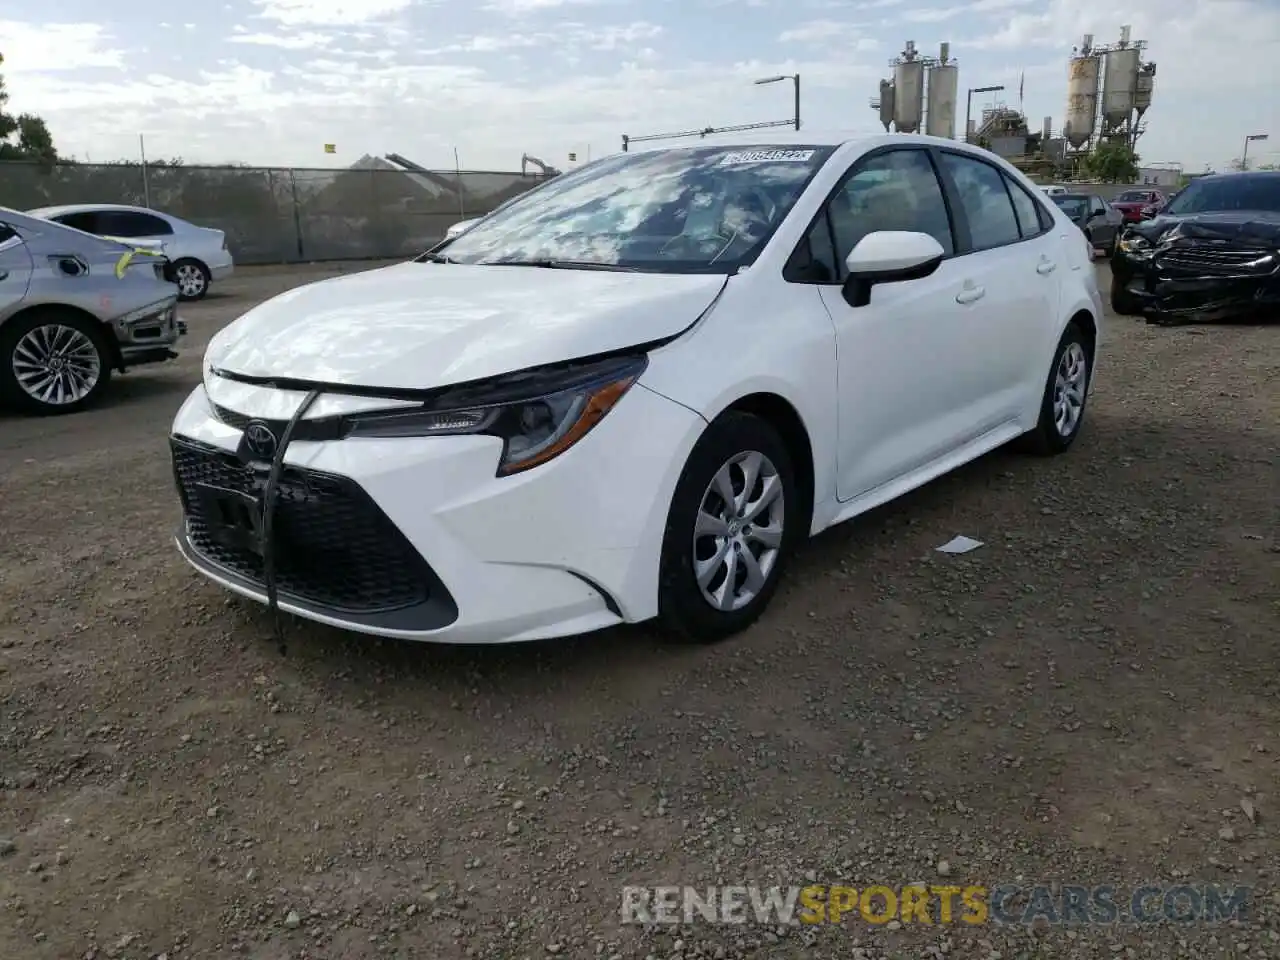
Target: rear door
x,y
1013,282
15,270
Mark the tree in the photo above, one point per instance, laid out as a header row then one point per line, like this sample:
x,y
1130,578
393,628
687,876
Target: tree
x,y
1112,161
32,141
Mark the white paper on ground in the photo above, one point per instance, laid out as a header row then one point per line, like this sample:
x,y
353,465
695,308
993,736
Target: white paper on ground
x,y
960,545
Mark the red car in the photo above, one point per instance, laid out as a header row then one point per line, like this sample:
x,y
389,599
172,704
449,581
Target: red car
x,y
1139,205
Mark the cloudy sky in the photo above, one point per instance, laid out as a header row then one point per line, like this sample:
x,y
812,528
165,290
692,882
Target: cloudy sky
x,y
272,81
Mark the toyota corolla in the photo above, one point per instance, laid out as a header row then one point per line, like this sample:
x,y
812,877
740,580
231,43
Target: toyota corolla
x,y
633,392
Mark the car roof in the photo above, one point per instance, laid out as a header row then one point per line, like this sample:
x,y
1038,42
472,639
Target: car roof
x,y
58,211
1238,177
805,138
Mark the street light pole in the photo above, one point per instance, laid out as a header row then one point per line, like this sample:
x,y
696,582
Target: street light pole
x,y
1244,159
795,80
968,109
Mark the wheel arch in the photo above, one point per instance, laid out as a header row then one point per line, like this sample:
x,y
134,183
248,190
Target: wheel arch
x,y
108,334
782,415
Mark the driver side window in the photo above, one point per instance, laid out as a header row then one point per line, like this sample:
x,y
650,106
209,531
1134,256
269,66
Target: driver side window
x,y
895,190
1097,208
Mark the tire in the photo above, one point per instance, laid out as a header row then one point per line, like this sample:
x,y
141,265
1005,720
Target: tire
x,y
733,441
1049,437
192,278
71,342
1113,246
1122,302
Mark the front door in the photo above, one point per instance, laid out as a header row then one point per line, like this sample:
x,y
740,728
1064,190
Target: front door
x,y
904,361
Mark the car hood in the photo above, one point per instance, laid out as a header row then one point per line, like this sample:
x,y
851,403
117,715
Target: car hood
x,y
1242,226
418,326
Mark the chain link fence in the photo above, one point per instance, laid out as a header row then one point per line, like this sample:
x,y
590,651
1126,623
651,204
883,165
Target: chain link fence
x,y
280,215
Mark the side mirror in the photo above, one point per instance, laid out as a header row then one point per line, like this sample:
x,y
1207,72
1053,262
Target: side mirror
x,y
889,256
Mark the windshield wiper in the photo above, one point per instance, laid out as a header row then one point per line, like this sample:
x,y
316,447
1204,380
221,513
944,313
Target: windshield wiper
x,y
551,264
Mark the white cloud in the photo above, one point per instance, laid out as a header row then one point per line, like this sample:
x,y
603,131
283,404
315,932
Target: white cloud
x,y
284,41
328,12
519,7
61,47
827,32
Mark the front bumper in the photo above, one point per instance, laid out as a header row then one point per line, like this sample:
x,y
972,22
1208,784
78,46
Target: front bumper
x,y
1181,286
417,539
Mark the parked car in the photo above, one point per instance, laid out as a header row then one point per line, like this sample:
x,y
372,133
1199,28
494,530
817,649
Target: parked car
x,y
73,307
1212,253
1139,205
608,402
197,255
1054,190
459,228
1100,222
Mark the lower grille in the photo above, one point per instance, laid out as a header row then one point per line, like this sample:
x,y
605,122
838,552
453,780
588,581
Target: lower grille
x,y
334,548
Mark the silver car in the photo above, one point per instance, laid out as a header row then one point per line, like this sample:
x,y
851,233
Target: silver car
x,y
74,307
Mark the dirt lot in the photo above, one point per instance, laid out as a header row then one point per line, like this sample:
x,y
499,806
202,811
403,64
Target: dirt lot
x,y
1091,698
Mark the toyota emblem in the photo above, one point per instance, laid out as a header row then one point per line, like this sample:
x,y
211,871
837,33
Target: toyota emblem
x,y
259,440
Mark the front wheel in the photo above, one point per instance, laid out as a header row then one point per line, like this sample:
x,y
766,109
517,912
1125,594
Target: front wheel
x,y
1066,392
734,521
1123,303
53,362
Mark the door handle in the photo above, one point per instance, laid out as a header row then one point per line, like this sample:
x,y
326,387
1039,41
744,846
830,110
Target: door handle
x,y
971,295
1046,267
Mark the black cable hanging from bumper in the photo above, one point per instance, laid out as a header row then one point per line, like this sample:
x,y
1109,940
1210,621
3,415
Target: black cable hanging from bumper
x,y
269,514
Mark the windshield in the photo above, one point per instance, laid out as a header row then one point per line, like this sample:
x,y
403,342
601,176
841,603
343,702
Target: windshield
x,y
1133,196
686,210
1073,207
1233,192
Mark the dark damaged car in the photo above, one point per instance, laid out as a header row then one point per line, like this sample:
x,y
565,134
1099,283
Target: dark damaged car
x,y
1213,253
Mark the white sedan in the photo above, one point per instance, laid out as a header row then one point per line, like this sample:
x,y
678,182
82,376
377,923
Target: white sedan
x,y
635,391
197,255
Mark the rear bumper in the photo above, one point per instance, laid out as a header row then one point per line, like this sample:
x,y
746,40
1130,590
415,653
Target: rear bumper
x,y
148,336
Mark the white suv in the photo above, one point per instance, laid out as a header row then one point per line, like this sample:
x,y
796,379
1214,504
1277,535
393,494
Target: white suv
x,y
636,390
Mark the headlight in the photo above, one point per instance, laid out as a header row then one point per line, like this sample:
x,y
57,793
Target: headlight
x,y
1136,246
538,415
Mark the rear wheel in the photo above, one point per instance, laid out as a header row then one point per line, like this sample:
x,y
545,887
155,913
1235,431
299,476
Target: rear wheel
x,y
192,278
53,362
734,521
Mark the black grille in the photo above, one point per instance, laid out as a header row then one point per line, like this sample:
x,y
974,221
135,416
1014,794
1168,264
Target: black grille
x,y
334,548
327,428
1214,258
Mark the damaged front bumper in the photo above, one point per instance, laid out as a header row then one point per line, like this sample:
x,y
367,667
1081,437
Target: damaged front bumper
x,y
1192,281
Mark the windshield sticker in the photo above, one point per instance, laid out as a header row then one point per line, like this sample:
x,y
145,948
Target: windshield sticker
x,y
766,156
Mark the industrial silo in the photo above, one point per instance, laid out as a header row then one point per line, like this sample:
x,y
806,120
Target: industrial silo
x,y
1082,95
1142,93
887,94
908,91
944,82
1119,86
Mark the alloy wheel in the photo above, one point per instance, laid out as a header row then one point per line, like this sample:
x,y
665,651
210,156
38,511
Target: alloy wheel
x,y
190,279
1070,382
738,532
56,365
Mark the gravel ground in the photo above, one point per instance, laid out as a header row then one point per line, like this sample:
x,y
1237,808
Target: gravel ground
x,y
1090,698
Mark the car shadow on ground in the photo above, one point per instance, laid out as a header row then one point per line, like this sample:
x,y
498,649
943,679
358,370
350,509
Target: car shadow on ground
x,y
1057,531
